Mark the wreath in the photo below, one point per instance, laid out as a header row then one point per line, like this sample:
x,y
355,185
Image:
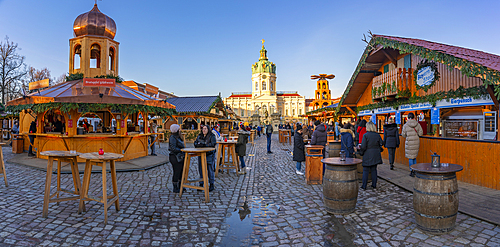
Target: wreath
x,y
423,64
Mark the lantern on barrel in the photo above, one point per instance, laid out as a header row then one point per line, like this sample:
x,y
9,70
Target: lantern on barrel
x,y
436,163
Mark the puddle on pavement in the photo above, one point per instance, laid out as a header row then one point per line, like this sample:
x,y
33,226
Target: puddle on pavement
x,y
336,234
253,213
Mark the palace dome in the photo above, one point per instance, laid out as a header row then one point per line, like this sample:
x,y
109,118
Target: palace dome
x,y
94,23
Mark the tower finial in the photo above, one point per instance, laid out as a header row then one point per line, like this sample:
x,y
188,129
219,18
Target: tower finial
x,y
263,42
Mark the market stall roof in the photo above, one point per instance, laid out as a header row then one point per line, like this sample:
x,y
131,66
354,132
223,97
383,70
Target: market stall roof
x,y
75,92
381,47
198,104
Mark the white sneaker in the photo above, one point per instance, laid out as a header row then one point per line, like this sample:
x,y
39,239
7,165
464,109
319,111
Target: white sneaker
x,y
299,172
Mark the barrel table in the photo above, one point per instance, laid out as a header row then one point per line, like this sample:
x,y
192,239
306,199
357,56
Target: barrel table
x,y
333,148
340,186
435,197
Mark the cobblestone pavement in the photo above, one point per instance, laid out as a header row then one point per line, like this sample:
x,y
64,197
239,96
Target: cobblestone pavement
x,y
269,206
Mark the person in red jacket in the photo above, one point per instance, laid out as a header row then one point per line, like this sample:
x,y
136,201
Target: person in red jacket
x,y
361,130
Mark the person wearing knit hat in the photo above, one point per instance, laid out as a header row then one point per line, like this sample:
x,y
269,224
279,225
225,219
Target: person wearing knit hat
x,y
176,156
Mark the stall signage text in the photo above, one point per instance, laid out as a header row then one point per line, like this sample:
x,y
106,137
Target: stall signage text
x,y
38,84
151,89
425,76
98,82
418,106
365,112
464,102
70,123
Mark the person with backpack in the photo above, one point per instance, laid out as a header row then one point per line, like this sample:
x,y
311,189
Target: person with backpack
x,y
269,133
347,140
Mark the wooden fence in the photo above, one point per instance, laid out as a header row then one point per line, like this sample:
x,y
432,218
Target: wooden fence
x,y
481,160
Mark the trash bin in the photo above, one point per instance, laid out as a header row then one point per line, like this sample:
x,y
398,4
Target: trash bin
x,y
17,144
314,166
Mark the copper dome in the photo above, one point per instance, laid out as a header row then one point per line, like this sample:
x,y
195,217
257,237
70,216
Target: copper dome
x,y
94,23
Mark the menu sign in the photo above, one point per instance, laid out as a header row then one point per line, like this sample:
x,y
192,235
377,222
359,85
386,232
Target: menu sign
x,y
435,115
461,129
98,82
38,84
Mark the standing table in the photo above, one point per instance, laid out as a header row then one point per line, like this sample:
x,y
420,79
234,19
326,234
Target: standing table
x,y
94,159
231,153
3,165
340,186
60,156
195,152
435,197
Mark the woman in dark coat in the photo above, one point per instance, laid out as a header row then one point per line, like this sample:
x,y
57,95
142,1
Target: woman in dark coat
x,y
298,149
241,147
346,140
176,156
371,147
391,141
206,139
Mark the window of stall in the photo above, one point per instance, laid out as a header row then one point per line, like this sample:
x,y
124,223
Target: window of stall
x,y
53,122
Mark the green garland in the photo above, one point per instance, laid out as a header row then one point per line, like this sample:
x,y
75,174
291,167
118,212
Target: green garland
x,y
461,92
421,65
79,76
489,76
92,107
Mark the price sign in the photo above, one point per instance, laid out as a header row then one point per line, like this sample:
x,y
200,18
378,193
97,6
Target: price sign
x,y
398,117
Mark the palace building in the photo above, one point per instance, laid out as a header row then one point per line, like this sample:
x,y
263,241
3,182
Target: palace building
x,y
264,103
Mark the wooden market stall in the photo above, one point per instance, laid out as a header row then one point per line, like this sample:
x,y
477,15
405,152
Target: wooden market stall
x,y
88,114
450,90
193,112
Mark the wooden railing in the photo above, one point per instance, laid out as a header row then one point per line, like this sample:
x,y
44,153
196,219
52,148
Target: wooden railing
x,y
392,82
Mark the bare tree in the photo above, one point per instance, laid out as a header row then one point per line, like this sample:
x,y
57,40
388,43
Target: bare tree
x,y
12,69
36,75
60,79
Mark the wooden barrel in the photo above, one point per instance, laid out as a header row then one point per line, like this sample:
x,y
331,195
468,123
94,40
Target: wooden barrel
x,y
435,201
334,149
340,189
330,135
360,171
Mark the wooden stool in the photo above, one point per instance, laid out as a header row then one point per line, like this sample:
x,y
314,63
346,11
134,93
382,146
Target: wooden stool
x,y
231,152
194,152
3,165
60,156
94,159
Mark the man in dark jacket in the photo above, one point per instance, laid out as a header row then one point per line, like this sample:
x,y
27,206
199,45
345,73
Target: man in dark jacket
x,y
298,149
269,134
32,137
391,141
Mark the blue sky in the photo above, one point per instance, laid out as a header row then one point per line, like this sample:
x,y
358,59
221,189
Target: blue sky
x,y
205,47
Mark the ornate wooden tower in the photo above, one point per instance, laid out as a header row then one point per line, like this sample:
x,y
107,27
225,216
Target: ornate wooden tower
x,y
322,94
93,51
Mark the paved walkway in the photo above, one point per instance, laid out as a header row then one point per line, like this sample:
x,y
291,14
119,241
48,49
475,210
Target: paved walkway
x,y
480,202
269,206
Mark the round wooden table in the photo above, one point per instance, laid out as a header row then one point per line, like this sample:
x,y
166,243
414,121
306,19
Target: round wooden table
x,y
232,158
435,197
2,167
194,152
340,185
60,156
94,159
